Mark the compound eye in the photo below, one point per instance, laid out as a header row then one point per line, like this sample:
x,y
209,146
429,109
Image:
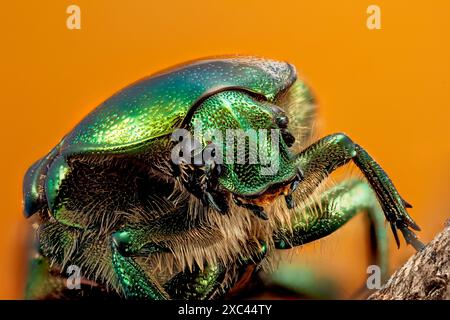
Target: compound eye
x,y
282,121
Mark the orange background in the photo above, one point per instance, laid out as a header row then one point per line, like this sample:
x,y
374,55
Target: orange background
x,y
388,89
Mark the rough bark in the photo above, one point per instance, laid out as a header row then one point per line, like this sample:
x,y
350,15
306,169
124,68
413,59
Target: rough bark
x,y
425,276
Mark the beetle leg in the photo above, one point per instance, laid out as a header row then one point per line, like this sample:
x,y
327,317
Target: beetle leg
x,y
135,283
71,246
126,242
190,284
323,157
210,281
198,284
143,238
335,207
46,282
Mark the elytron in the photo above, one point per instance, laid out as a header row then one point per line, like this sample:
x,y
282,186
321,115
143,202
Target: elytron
x,y
110,200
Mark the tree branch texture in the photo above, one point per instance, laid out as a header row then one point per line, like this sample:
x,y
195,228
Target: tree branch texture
x,y
425,276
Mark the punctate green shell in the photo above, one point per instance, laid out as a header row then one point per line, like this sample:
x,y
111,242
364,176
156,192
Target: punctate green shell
x,y
154,106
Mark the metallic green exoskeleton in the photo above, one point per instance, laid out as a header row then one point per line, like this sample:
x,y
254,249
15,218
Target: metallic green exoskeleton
x,y
142,213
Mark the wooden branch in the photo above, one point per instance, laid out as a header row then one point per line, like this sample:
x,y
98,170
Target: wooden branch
x,y
425,276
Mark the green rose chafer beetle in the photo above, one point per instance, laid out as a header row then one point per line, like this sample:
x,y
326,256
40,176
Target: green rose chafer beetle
x,y
110,199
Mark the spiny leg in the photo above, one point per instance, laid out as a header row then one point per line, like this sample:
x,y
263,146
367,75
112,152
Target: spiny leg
x,y
126,244
48,283
61,246
135,283
207,282
335,207
323,157
142,238
198,283
133,240
68,245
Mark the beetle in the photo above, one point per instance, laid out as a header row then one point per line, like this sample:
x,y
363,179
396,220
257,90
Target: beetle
x,y
111,199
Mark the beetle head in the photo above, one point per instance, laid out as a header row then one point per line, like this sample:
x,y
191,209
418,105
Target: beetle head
x,y
239,144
